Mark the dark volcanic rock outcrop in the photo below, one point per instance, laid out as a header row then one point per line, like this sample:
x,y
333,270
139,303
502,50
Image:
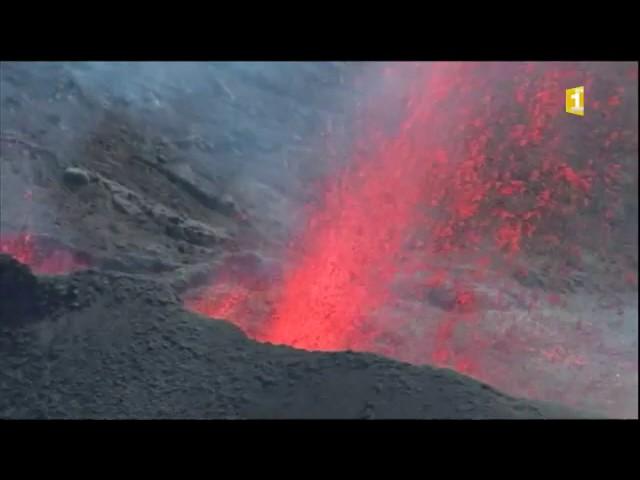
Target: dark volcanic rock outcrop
x,y
19,291
121,346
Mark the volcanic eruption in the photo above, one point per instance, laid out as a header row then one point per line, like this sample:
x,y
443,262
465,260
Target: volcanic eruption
x,y
482,184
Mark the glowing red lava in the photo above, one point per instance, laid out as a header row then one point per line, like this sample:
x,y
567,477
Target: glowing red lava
x,y
24,248
484,170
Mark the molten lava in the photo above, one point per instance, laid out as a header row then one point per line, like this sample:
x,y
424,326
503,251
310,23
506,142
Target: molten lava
x,y
484,172
24,248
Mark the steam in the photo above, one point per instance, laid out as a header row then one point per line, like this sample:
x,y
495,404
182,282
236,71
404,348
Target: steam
x,y
406,204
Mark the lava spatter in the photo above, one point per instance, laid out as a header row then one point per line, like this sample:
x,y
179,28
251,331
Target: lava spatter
x,y
25,248
483,172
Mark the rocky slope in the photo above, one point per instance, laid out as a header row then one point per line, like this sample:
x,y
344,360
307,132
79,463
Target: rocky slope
x,y
98,345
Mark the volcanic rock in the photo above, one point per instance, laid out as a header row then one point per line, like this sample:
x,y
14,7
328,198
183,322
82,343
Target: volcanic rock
x,y
19,291
141,358
76,177
123,205
196,233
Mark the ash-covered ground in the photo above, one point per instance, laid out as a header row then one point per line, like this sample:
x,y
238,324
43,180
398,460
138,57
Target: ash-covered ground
x,y
109,345
330,207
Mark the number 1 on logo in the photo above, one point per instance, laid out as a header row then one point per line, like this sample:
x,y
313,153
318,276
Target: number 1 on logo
x,y
575,101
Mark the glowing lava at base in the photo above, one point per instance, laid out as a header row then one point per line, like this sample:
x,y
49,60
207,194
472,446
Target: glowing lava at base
x,y
48,261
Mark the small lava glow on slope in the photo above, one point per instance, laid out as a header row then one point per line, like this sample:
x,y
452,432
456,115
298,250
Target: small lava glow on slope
x,y
42,254
484,167
26,249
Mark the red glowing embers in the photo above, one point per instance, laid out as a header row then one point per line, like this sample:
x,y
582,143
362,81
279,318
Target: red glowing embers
x,y
482,169
42,257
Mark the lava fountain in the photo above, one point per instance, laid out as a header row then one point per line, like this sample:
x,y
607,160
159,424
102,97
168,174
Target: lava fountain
x,y
483,173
